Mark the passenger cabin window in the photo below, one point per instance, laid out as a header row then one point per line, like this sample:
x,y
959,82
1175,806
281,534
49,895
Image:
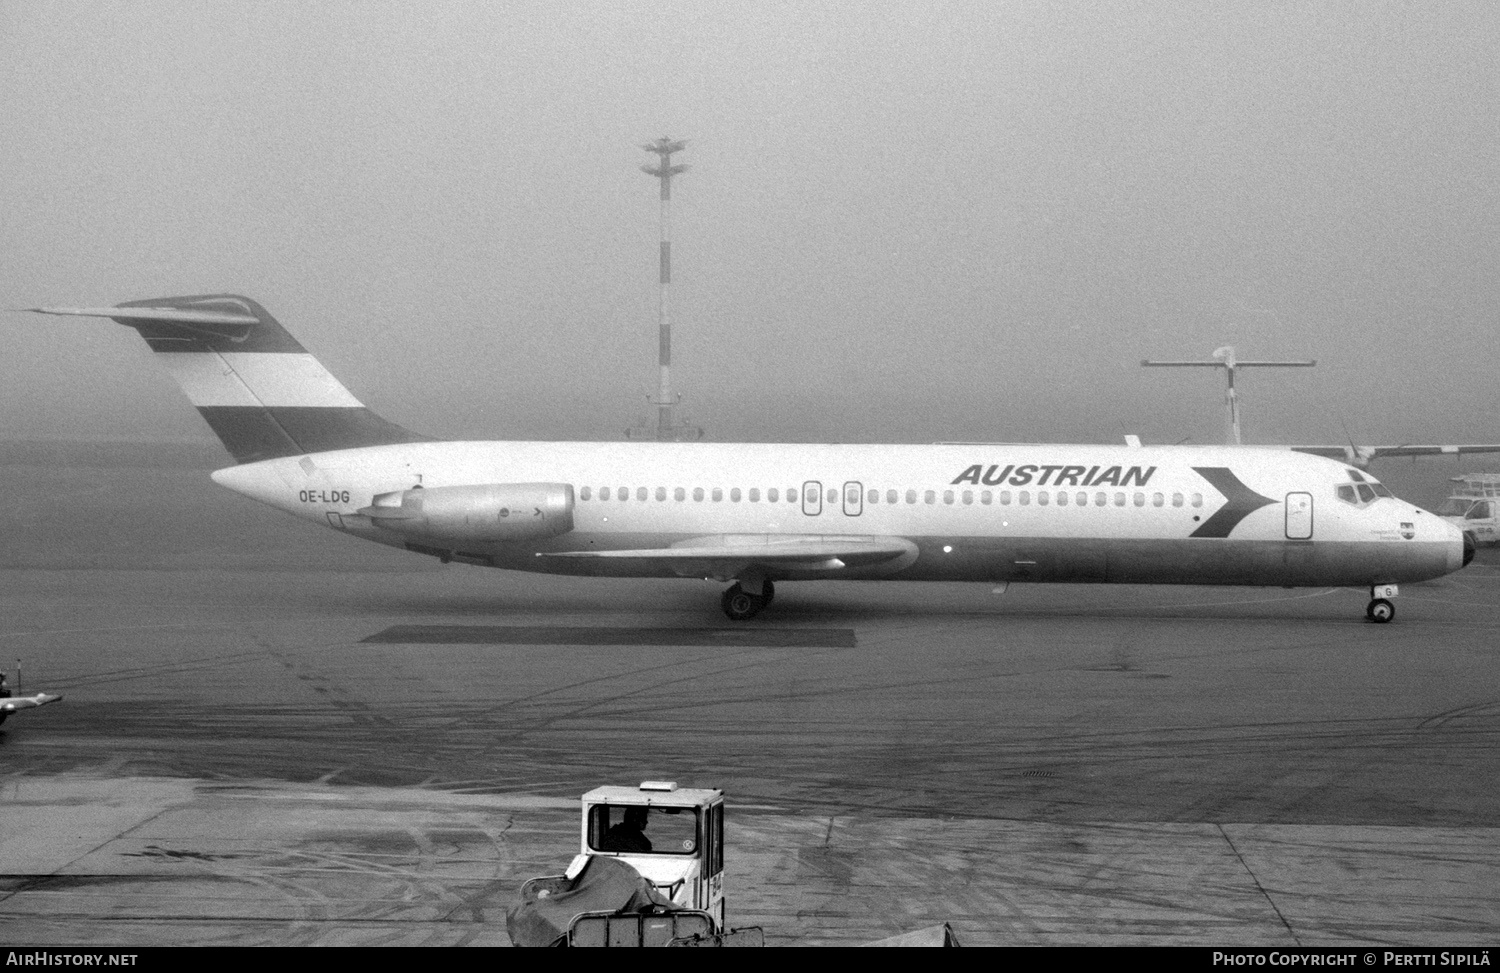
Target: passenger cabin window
x,y
641,494
583,494
718,494
679,494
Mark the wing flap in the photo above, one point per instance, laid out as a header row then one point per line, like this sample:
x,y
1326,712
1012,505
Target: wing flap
x,y
797,552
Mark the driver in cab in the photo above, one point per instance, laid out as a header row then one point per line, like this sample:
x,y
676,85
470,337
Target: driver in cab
x,y
630,834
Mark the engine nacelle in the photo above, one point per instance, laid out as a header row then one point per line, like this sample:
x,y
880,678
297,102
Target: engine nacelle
x,y
483,512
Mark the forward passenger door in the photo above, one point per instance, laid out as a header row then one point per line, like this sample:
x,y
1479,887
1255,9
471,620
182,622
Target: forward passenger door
x,y
1299,516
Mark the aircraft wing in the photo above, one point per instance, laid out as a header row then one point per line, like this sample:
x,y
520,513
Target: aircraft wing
x,y
10,704
727,554
1361,456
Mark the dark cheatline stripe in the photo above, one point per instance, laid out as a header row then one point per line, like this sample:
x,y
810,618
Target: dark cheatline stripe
x,y
1240,502
267,336
252,433
813,638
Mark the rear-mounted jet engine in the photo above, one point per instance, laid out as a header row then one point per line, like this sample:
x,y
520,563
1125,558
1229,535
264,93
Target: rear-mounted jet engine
x,y
483,512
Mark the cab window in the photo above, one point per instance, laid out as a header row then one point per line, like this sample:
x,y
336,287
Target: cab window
x,y
637,829
1454,507
1480,511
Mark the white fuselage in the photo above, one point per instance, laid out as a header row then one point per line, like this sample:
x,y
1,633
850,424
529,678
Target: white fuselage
x,y
993,512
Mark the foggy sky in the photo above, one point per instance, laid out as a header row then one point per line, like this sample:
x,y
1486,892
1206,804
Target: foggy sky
x,y
903,222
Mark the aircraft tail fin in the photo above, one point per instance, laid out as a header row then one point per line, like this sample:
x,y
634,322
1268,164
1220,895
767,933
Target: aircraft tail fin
x,y
259,390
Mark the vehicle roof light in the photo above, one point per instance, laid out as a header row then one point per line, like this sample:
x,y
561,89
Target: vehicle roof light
x,y
659,785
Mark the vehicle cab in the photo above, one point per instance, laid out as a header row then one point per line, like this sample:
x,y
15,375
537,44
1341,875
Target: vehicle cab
x,y
1474,506
673,836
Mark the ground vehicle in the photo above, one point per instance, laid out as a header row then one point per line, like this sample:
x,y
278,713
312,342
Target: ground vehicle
x,y
1474,506
650,872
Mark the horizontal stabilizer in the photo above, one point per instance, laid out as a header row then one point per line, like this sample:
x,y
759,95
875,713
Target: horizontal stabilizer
x,y
221,324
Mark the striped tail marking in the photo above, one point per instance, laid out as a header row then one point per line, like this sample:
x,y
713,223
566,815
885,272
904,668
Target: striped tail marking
x,y
260,391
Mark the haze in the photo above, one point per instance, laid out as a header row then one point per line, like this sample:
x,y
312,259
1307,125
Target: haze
x,y
902,223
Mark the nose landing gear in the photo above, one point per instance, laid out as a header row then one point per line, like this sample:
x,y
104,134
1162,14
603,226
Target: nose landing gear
x,y
1381,609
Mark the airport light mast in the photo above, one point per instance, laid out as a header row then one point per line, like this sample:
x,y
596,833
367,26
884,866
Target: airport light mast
x,y
667,428
1224,358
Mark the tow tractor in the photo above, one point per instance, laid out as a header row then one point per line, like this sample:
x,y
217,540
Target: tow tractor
x,y
649,872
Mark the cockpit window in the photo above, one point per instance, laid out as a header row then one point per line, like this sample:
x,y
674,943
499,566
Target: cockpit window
x,y
1364,490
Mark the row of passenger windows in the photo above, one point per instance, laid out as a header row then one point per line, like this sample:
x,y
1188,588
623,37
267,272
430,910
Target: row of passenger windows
x,y
1043,498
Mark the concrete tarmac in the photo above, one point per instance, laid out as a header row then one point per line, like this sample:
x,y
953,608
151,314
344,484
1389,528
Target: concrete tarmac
x,y
235,761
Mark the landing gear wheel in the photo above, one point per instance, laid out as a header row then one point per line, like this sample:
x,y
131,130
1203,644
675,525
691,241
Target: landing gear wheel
x,y
1380,611
741,605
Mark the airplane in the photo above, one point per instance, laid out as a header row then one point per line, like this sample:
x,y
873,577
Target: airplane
x,y
1358,456
755,515
10,704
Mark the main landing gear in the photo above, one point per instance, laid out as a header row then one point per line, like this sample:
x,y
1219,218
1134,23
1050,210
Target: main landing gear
x,y
1381,609
740,604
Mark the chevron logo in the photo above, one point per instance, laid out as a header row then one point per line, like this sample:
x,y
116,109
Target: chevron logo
x,y
1241,501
